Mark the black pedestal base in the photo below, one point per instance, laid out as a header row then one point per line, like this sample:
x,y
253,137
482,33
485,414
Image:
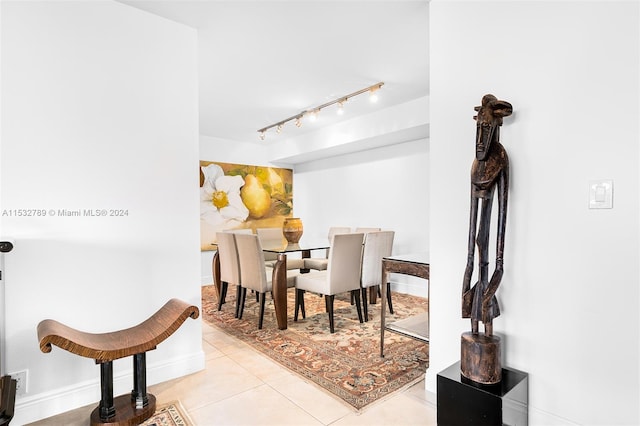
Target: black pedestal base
x,y
464,402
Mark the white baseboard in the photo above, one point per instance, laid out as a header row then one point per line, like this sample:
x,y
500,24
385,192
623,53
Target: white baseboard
x,y
539,417
431,397
47,404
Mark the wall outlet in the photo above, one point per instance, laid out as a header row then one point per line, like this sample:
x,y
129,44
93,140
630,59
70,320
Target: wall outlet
x,y
21,381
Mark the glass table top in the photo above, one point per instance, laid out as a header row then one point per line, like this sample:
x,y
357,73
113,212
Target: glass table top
x,y
419,257
302,245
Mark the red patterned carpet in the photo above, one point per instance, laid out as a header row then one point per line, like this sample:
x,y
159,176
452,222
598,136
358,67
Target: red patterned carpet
x,y
347,363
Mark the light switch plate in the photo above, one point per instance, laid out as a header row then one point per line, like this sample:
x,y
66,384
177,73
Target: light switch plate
x,y
601,194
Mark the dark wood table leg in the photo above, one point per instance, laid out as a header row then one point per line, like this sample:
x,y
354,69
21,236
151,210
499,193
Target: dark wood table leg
x,y
373,294
279,288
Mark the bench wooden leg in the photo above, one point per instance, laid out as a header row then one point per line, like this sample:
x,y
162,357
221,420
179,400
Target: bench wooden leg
x,y
125,410
107,409
139,392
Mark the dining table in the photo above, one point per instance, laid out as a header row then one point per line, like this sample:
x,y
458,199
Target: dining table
x,y
279,274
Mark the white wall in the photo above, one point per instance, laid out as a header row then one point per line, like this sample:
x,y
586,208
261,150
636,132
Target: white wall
x,y
385,187
99,112
569,296
226,151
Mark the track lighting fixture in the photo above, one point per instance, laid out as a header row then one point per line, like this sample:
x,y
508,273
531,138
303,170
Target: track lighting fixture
x,y
312,113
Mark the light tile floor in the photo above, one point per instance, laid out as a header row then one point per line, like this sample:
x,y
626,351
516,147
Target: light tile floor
x,y
239,386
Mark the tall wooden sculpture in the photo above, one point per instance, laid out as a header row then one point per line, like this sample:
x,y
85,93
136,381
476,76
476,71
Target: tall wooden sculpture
x,y
481,352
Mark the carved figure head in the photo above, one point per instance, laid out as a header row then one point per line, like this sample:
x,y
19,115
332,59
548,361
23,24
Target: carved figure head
x,y
488,122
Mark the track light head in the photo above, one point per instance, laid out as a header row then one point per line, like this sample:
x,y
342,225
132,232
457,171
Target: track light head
x,y
373,95
313,113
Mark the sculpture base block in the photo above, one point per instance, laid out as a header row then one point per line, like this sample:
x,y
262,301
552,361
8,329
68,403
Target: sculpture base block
x,y
480,358
463,402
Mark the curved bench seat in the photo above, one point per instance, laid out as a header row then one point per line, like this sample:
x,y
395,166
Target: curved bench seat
x,y
118,344
134,408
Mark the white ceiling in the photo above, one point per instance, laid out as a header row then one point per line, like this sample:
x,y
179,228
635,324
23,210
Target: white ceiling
x,y
263,61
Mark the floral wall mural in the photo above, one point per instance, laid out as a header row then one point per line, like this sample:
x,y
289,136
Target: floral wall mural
x,y
239,196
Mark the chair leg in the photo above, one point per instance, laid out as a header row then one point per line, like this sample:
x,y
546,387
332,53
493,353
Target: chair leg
x,y
238,299
364,304
299,305
389,298
356,293
242,299
223,294
328,301
263,297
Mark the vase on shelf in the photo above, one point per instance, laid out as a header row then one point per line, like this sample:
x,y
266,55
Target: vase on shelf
x,y
292,229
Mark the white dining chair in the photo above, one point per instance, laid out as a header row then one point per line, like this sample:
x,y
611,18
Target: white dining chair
x,y
320,263
253,273
377,244
342,275
229,266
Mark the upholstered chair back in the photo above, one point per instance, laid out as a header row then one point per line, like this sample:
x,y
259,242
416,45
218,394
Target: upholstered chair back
x,y
367,230
251,258
344,266
270,237
228,254
376,246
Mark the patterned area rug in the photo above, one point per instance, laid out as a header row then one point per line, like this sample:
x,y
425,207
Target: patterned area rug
x,y
347,363
171,414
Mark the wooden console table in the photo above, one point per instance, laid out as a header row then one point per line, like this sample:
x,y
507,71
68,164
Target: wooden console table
x,y
136,407
416,265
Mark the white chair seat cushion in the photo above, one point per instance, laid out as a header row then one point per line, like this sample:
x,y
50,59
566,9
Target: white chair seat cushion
x,y
291,277
318,264
295,263
315,282
291,263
